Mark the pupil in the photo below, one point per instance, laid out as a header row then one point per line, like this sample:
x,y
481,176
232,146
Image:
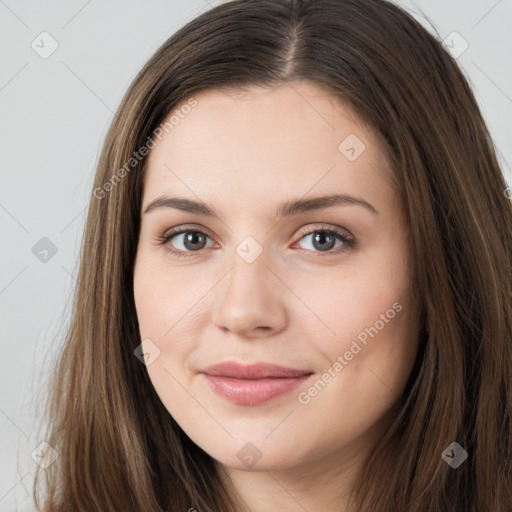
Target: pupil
x,y
320,237
190,242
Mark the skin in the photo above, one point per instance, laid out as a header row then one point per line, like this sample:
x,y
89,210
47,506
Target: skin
x,y
296,305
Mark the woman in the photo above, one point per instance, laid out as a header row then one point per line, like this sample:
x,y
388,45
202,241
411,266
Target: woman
x,y
295,284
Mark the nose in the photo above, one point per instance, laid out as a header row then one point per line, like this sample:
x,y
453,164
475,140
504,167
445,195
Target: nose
x,y
249,301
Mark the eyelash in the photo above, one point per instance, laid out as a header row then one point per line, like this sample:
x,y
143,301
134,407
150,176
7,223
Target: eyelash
x,y
167,236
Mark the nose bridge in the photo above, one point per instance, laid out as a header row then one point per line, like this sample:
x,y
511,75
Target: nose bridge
x,y
248,276
248,299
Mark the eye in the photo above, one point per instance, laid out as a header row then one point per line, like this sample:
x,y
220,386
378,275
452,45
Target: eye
x,y
184,241
324,240
187,239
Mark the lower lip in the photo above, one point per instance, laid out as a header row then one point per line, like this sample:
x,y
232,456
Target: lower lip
x,y
253,392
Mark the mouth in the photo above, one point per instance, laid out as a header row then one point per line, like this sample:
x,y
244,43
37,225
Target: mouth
x,y
253,384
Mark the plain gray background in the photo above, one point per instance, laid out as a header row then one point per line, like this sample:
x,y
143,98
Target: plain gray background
x,y
55,112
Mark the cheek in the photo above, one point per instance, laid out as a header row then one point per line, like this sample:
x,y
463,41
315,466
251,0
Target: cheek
x,y
161,313
147,304
372,325
366,371
378,355
170,314
355,305
165,298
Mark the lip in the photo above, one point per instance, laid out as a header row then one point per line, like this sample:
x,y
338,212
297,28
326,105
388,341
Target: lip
x,y
253,384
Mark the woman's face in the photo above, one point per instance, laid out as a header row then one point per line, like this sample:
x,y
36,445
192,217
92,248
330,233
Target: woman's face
x,y
276,275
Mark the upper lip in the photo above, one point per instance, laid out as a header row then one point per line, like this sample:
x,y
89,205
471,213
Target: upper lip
x,y
252,371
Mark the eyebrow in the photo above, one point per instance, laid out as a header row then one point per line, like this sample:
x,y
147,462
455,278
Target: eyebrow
x,y
286,209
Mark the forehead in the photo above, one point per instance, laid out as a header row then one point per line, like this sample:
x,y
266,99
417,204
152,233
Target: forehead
x,y
299,109
259,141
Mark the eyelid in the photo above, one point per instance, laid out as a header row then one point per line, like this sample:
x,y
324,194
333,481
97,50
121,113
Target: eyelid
x,y
307,230
185,228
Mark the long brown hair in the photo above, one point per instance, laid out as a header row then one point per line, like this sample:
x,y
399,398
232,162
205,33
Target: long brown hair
x,y
119,448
